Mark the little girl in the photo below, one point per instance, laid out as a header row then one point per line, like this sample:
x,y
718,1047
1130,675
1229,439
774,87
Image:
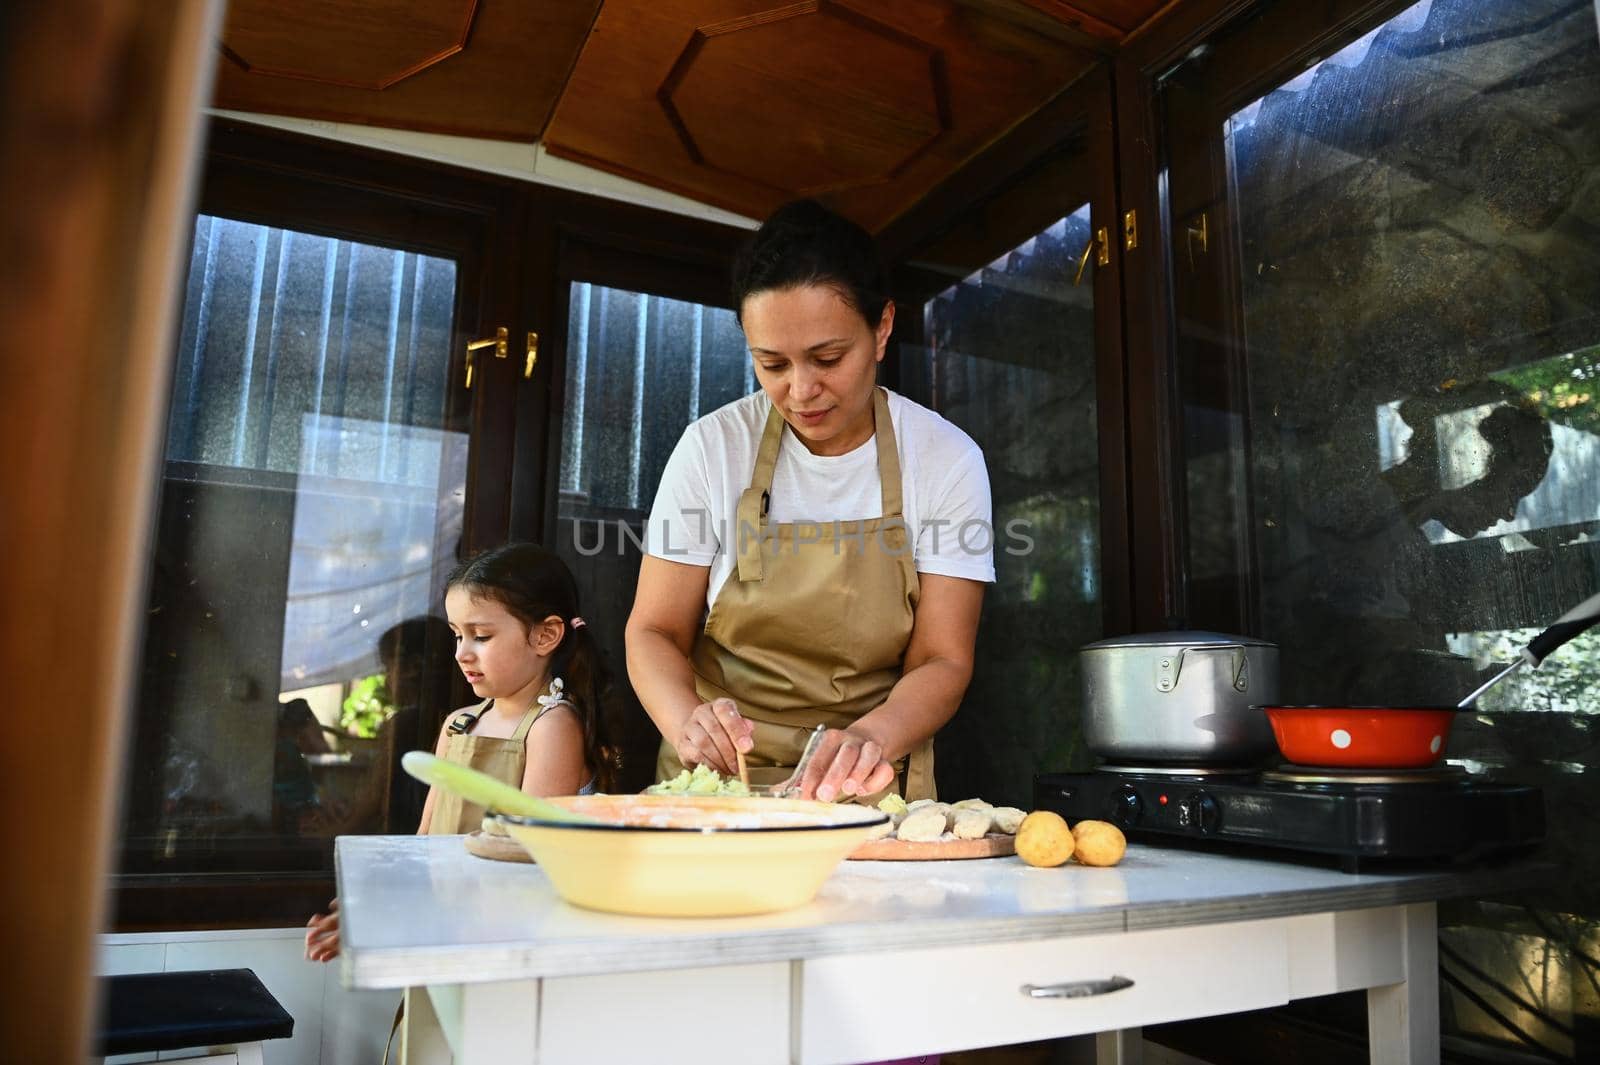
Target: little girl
x,y
525,650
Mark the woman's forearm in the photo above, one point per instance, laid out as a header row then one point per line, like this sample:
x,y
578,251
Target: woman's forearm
x,y
662,678
919,704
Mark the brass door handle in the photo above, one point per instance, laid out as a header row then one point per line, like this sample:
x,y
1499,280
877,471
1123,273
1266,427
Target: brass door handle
x,y
1083,263
1196,232
533,356
1102,259
500,342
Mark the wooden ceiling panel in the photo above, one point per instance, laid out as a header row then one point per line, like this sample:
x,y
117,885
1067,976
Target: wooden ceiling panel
x,y
485,68
1110,19
881,117
363,44
747,103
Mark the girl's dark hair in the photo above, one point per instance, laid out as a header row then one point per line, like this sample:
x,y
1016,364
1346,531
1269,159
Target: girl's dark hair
x,y
532,583
804,243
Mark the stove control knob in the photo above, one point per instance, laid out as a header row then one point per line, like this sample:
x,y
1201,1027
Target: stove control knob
x,y
1125,806
1199,812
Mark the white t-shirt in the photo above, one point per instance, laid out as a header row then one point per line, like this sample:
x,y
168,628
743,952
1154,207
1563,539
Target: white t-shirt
x,y
944,489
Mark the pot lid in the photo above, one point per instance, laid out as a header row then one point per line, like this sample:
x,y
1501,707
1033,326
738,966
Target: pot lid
x,y
1177,638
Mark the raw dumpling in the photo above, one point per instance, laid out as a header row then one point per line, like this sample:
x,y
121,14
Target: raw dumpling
x,y
971,824
922,826
883,831
1006,819
916,804
971,804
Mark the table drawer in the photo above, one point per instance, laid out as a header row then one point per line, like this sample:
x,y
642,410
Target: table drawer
x,y
733,1013
893,1005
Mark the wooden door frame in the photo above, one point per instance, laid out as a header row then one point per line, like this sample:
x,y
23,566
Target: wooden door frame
x,y
1156,461
276,178
571,238
258,173
1081,113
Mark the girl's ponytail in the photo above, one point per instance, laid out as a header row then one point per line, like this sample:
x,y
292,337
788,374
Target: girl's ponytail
x,y
578,662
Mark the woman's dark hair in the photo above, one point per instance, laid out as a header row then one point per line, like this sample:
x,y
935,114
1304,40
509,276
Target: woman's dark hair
x,y
532,583
804,243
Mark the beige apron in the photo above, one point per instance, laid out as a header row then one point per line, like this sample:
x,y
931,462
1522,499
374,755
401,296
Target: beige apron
x,y
503,757
813,626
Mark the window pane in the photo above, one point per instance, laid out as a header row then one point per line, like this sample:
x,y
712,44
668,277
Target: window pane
x,y
1010,359
640,368
1412,473
311,497
1416,220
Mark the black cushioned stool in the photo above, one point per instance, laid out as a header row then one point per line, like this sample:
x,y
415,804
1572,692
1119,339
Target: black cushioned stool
x,y
203,1008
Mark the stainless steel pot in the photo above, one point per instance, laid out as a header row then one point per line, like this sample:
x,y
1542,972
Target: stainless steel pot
x,y
1179,697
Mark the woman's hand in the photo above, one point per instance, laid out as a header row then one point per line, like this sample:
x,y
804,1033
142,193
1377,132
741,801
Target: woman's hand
x,y
845,763
322,935
713,735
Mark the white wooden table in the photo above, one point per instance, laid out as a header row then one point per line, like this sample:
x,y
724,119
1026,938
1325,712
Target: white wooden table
x,y
893,959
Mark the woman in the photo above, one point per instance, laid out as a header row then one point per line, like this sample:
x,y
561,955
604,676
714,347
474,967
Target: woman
x,y
838,535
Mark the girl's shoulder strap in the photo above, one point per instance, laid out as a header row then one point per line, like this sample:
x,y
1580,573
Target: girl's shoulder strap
x,y
537,712
464,721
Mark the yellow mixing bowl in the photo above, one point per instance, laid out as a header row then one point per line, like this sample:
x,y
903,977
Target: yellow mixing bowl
x,y
693,856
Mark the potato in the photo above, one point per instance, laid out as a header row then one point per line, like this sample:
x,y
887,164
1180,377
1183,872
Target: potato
x,y
1098,843
1044,840
922,826
1006,819
971,824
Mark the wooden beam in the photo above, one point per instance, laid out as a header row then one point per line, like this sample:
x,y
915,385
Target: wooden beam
x,y
96,172
1075,16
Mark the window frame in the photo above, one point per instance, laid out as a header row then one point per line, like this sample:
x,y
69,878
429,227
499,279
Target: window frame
x,y
513,236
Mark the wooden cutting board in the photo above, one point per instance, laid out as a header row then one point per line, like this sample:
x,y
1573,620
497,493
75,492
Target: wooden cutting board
x,y
496,848
994,845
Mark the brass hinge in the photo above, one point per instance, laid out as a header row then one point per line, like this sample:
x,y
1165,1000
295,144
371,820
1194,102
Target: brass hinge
x,y
1130,230
533,356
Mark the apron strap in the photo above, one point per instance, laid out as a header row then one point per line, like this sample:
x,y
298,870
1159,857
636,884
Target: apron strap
x,y
919,773
467,720
751,515
521,734
888,455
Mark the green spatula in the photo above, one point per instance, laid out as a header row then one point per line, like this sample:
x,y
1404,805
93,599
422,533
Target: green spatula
x,y
484,790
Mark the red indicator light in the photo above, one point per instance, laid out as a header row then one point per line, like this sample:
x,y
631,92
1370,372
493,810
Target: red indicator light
x,y
1162,800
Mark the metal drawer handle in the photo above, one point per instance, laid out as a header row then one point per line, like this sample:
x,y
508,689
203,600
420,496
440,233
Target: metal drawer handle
x,y
1079,989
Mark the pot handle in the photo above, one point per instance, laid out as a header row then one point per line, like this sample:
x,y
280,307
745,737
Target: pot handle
x,y
1168,667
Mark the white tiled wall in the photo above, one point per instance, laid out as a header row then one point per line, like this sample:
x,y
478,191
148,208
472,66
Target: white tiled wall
x,y
332,1026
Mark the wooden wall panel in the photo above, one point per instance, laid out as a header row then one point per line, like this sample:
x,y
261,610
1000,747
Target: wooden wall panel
x,y
482,68
746,103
